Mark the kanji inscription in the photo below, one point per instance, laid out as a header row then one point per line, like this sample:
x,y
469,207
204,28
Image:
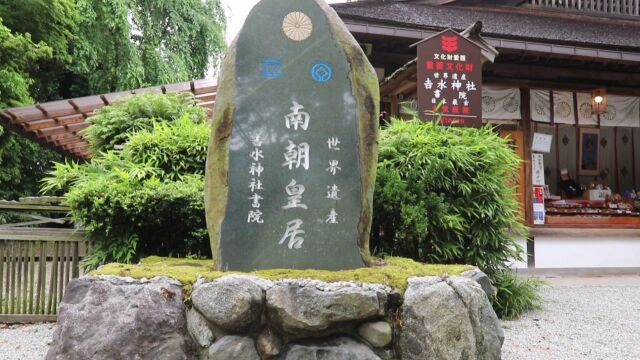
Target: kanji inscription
x,y
450,80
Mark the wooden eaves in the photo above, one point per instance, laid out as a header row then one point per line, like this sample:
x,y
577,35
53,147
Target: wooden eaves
x,y
59,125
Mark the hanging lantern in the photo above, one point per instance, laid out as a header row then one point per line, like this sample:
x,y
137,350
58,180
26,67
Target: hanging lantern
x,y
599,101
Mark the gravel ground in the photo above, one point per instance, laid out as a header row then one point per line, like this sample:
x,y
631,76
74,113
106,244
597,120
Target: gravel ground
x,y
25,342
582,319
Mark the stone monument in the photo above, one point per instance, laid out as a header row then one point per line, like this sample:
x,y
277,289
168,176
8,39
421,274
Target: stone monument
x,y
292,158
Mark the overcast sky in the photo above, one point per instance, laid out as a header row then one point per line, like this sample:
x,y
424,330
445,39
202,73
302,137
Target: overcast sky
x,y
237,11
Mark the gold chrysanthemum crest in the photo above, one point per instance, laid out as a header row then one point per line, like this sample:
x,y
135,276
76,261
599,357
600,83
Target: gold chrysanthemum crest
x,y
297,26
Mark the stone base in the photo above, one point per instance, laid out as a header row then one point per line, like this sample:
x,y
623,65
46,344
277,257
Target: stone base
x,y
243,317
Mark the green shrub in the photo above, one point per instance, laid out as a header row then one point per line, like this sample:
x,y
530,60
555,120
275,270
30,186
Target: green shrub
x,y
446,195
113,124
132,218
515,295
146,199
176,149
104,166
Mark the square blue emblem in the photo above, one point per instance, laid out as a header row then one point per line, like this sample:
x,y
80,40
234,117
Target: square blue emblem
x,y
271,69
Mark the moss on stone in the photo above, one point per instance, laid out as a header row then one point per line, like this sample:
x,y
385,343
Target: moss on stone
x,y
393,272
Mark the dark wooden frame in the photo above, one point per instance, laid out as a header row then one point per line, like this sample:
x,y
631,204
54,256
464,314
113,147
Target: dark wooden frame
x,y
583,132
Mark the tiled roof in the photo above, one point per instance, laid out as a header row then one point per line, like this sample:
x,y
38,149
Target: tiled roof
x,y
58,124
504,22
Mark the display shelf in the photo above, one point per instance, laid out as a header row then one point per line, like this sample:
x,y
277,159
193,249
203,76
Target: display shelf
x,y
595,220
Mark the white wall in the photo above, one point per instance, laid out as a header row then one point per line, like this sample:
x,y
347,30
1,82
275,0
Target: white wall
x,y
586,248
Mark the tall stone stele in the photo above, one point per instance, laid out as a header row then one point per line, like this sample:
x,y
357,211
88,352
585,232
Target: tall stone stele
x,y
292,157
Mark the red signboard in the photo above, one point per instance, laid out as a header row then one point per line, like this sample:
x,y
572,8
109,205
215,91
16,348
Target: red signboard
x,y
450,80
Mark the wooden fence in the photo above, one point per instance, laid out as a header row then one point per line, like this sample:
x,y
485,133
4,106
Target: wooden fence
x,y
37,263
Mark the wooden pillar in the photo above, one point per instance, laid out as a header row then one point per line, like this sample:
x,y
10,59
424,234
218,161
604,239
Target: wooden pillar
x,y
527,135
577,128
394,106
633,160
557,140
617,163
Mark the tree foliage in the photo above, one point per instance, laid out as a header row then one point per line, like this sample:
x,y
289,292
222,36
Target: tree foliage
x,y
101,46
20,58
22,162
52,24
126,44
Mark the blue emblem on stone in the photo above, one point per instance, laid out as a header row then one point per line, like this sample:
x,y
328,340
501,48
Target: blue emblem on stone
x,y
321,72
271,69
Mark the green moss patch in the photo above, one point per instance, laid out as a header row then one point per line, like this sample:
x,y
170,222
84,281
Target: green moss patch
x,y
393,272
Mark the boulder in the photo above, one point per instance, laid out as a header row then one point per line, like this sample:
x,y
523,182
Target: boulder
x,y
377,334
342,348
268,344
312,311
199,328
487,329
448,319
108,317
233,303
482,279
386,354
233,348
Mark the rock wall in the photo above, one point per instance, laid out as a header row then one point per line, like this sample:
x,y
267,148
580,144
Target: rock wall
x,y
248,318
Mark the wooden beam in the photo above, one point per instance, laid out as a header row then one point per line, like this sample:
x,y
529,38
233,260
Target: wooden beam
x,y
408,73
206,97
558,85
52,131
406,86
33,136
562,78
71,140
62,136
549,72
76,147
25,114
78,127
203,86
33,207
390,57
39,124
207,104
71,119
23,319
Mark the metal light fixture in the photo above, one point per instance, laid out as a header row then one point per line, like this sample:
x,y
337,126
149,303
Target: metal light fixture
x,y
599,101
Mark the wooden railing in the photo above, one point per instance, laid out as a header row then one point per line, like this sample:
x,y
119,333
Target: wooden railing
x,y
609,7
37,263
